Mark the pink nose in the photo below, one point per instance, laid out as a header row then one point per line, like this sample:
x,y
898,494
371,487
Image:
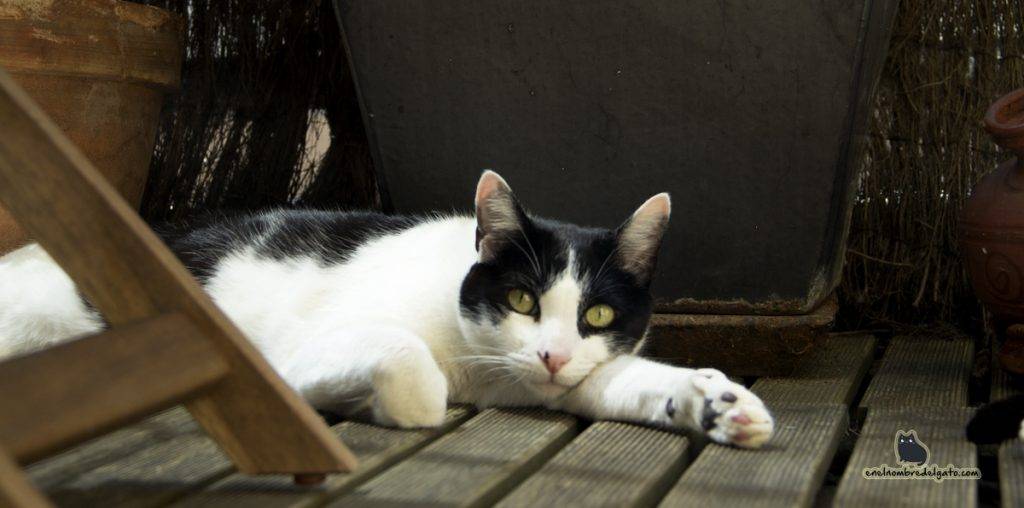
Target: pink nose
x,y
553,363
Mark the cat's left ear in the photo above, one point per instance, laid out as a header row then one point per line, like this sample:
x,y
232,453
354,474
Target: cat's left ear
x,y
498,215
640,236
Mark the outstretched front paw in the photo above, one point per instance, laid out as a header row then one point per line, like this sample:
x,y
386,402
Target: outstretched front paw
x,y
727,412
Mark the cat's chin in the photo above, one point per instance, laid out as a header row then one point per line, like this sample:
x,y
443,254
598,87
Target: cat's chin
x,y
548,390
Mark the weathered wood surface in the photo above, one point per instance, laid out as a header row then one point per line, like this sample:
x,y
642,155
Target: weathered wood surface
x,y
941,429
530,457
1011,473
101,382
112,447
376,447
788,471
831,374
922,372
1002,386
116,260
610,464
150,476
474,465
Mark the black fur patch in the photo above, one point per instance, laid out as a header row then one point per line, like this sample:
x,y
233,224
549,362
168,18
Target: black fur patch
x,y
997,421
328,236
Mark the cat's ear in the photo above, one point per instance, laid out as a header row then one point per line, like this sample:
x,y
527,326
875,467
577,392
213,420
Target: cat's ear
x,y
640,236
498,215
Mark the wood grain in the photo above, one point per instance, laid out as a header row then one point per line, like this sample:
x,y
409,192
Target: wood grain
x,y
941,429
831,374
1002,385
474,465
151,476
921,371
117,445
83,388
129,275
1011,472
377,448
788,471
610,464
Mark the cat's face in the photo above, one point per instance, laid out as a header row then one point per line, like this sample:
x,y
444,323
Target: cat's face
x,y
547,301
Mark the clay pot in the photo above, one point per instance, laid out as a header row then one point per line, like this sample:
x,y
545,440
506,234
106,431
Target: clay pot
x,y
100,69
992,227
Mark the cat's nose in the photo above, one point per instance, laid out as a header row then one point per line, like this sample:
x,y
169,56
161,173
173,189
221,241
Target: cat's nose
x,y
553,362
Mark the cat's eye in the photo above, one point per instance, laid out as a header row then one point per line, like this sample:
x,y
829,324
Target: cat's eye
x,y
600,315
521,301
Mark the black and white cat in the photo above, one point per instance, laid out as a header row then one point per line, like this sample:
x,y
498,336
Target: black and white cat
x,y
401,315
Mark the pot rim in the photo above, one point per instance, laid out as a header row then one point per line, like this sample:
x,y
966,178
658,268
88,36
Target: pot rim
x,y
110,40
1001,125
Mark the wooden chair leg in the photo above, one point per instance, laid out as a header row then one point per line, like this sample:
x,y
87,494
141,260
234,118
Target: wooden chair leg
x,y
15,489
129,275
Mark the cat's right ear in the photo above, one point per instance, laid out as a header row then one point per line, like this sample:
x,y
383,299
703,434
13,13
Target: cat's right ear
x,y
498,215
640,236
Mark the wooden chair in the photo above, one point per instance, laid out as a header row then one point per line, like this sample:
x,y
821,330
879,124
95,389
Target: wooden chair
x,y
167,344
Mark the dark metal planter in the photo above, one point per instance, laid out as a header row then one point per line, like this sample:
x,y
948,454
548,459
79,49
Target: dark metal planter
x,y
745,111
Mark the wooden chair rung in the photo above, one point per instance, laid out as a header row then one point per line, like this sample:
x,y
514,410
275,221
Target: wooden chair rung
x,y
83,388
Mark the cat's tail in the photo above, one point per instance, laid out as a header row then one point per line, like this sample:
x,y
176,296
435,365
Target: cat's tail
x,y
997,421
39,304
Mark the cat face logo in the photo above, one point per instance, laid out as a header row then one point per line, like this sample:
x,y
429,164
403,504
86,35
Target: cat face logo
x,y
909,449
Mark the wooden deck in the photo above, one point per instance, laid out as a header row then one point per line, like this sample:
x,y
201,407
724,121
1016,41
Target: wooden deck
x,y
835,416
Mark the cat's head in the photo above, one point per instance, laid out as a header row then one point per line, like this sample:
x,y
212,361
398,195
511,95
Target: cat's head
x,y
906,437
549,301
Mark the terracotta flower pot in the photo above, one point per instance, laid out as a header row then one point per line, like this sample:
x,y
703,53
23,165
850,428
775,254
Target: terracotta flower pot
x,y
993,230
100,69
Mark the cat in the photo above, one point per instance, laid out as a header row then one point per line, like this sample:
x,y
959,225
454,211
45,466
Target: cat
x,y
909,449
397,315
997,421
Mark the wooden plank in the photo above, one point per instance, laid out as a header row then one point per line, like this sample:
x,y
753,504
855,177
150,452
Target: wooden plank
x,y
1011,472
377,448
922,372
474,465
1002,385
609,464
15,489
941,429
131,371
111,447
152,476
788,471
830,375
56,194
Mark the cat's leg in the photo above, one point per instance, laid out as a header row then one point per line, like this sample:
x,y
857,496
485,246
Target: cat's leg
x,y
386,367
630,388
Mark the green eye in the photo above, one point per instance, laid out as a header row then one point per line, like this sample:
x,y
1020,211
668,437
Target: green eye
x,y
521,301
600,315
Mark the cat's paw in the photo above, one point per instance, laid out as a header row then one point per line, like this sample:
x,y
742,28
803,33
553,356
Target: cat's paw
x,y
725,411
410,392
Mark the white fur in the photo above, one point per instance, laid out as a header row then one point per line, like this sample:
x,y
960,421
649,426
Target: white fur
x,y
383,331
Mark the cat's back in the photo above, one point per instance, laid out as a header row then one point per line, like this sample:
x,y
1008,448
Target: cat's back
x,y
284,272
327,236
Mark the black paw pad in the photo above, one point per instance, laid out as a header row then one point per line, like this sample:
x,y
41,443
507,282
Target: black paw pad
x,y
670,409
707,418
728,397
